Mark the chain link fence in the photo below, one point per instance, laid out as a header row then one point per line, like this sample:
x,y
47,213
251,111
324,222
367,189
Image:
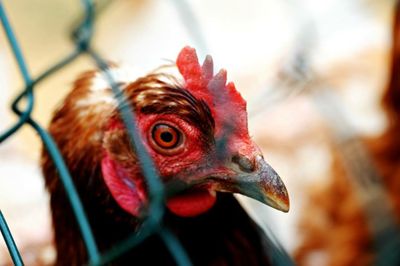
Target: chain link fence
x,y
387,241
82,35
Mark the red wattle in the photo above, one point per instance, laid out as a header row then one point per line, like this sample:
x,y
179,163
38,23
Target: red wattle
x,y
128,192
192,203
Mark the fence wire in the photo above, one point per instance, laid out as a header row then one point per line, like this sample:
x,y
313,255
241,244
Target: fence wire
x,y
81,36
152,225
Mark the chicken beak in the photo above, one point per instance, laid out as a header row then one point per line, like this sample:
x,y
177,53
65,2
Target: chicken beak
x,y
257,180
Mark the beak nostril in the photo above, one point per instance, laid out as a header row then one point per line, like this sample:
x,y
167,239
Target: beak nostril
x,y
244,163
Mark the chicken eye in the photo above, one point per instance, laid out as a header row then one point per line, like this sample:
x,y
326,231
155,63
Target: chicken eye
x,y
166,136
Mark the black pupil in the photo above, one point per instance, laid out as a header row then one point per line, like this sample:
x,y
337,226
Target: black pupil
x,y
166,136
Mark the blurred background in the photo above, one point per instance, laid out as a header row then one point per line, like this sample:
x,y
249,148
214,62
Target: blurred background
x,y
313,73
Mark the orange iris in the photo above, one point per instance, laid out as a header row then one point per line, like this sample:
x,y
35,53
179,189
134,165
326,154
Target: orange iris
x,y
165,136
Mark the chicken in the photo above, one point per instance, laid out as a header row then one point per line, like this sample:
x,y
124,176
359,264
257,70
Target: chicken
x,y
194,127
350,239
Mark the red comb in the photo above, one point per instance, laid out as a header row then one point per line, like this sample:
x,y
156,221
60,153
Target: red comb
x,y
223,99
196,77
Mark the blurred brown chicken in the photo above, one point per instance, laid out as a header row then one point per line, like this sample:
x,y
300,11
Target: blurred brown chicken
x,y
335,227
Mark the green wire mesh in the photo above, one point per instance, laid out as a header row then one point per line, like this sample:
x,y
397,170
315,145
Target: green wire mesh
x,y
5,231
81,36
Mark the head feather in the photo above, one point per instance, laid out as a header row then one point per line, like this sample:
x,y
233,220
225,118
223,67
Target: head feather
x,y
226,104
